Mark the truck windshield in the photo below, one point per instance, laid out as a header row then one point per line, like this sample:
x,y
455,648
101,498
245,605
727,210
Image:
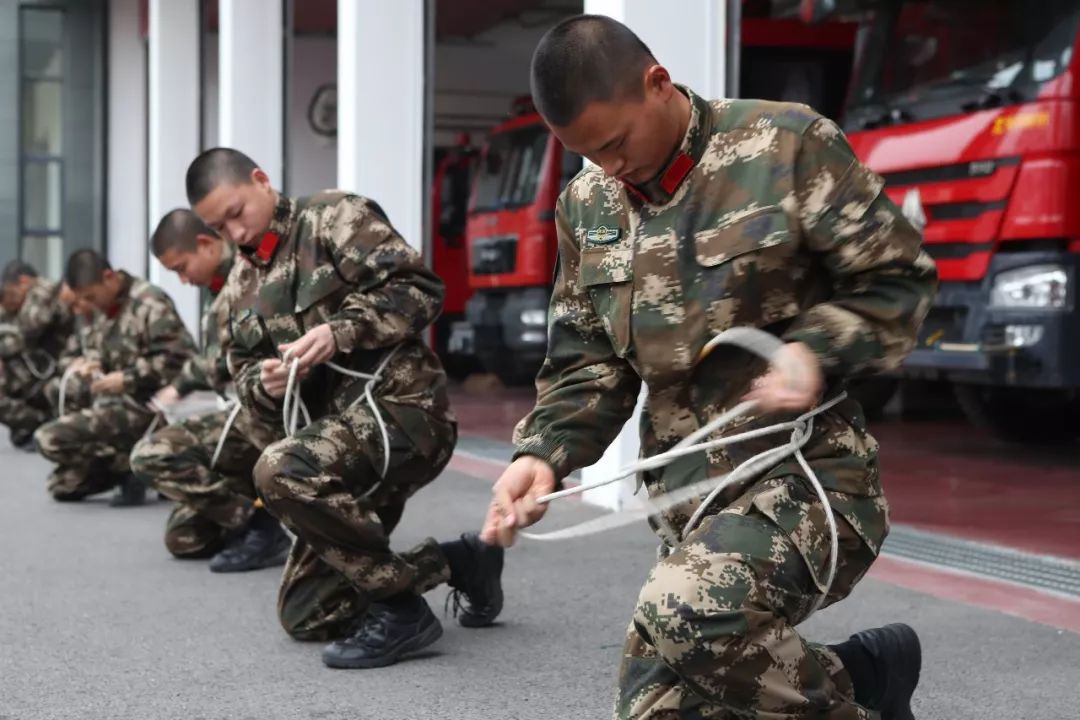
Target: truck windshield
x,y
509,175
931,58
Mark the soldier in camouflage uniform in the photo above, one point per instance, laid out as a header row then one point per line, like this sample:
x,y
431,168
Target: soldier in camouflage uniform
x,y
215,513
139,347
33,332
697,217
79,351
332,281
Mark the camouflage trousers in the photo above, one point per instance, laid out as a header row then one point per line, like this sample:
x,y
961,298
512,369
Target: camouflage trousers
x,y
76,395
212,504
90,447
24,405
713,634
323,485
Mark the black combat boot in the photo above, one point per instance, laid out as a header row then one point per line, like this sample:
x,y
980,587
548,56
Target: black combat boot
x,y
265,544
389,630
23,439
129,492
476,579
884,665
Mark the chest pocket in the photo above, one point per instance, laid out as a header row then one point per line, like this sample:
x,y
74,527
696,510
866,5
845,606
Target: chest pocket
x,y
608,275
249,332
748,271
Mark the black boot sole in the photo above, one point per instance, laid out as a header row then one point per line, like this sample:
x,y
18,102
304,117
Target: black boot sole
x,y
417,642
494,559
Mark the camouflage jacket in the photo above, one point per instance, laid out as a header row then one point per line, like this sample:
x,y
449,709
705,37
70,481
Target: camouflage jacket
x,y
82,342
763,218
208,369
43,323
334,258
142,336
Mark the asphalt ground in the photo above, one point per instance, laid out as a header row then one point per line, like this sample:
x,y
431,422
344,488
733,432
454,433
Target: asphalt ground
x,y
98,621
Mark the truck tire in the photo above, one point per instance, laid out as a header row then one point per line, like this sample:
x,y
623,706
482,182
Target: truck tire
x,y
1022,415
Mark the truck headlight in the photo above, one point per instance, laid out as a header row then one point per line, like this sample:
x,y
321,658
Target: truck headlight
x,y
1038,287
534,317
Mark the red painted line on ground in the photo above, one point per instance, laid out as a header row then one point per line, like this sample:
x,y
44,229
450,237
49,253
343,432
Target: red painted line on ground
x,y
1004,597
937,581
478,467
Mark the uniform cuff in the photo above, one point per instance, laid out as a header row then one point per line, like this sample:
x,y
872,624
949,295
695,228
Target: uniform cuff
x,y
551,451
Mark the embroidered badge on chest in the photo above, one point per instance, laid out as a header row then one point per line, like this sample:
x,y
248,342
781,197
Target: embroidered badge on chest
x,y
603,235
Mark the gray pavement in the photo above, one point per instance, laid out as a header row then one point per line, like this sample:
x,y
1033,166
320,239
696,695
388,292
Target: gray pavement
x,y
97,621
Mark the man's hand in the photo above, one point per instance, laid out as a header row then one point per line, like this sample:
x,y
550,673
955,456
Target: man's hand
x,y
166,397
85,367
274,376
314,348
111,384
795,381
514,503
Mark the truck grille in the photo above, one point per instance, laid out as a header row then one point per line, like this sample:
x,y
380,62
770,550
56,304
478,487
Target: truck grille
x,y
494,255
942,324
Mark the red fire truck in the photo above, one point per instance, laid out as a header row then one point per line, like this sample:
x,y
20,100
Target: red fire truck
x,y
523,168
968,108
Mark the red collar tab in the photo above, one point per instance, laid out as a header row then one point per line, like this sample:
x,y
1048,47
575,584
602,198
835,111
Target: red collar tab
x,y
676,173
216,283
268,245
632,189
114,310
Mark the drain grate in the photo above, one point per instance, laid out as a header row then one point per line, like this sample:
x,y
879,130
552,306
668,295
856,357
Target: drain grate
x,y
1057,575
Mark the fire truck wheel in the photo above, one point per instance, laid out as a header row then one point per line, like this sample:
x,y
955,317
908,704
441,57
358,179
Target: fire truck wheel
x,y
1022,415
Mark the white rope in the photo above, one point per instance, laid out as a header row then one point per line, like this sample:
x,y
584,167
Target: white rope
x,y
225,432
292,403
50,366
801,428
64,380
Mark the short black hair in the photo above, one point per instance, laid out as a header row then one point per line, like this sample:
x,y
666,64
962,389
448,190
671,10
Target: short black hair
x,y
179,230
586,59
15,270
215,167
85,267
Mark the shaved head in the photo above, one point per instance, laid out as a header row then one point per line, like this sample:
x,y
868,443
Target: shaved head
x,y
85,268
15,270
216,167
586,59
179,230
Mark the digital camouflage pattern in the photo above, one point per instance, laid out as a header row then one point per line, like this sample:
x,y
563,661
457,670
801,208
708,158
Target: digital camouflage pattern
x,y
334,258
213,504
81,343
31,342
776,226
143,337
208,370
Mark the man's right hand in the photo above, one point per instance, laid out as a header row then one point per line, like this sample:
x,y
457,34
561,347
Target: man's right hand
x,y
85,367
166,397
514,504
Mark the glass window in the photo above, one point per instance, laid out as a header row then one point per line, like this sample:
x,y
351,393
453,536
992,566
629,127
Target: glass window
x,y
41,187
509,175
42,123
42,195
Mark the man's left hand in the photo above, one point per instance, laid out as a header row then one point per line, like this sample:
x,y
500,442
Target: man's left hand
x,y
314,348
794,382
111,384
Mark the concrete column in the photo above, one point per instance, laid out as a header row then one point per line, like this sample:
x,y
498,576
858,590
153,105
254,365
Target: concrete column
x,y
689,39
251,108
174,127
381,108
9,139
127,241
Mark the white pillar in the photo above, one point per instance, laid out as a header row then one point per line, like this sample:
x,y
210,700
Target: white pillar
x,y
126,210
174,128
689,39
251,85
381,109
